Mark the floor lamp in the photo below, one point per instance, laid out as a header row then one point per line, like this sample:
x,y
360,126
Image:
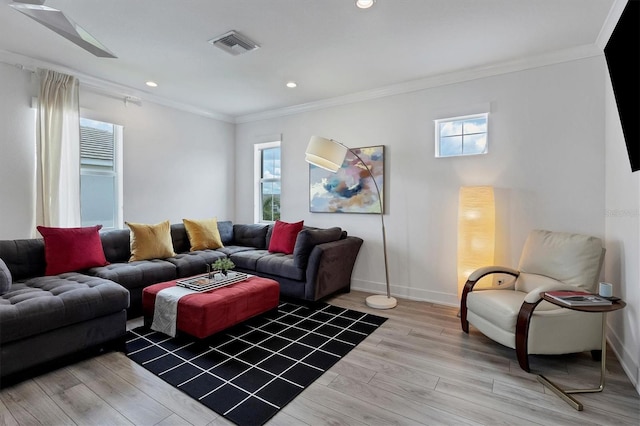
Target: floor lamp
x,y
329,155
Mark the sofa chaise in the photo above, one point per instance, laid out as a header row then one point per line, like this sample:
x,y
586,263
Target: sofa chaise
x,y
44,318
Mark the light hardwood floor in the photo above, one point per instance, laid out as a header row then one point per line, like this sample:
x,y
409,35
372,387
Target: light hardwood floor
x,y
419,368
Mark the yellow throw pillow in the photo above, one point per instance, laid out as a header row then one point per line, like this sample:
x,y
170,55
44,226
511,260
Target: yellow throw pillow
x,y
150,241
203,234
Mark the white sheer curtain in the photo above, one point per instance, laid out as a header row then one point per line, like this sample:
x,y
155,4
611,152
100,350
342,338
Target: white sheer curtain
x,y
58,133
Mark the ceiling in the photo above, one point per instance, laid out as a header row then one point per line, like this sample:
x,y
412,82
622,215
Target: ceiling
x,y
329,47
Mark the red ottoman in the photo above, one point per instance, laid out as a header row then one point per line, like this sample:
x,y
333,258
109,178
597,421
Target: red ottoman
x,y
203,314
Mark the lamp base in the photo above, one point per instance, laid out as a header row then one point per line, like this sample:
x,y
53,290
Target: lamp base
x,y
380,301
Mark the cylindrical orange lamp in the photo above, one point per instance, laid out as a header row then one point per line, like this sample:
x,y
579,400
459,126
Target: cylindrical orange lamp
x,y
476,231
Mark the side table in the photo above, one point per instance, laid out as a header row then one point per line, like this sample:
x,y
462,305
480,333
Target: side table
x,y
603,309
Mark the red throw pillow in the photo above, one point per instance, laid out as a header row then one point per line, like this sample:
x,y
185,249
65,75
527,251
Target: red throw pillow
x,y
72,249
283,237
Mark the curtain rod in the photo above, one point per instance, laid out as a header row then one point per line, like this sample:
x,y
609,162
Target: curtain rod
x,y
97,88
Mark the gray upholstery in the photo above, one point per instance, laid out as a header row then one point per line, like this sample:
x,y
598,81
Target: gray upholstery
x,y
115,244
140,273
20,355
24,258
41,304
194,262
135,276
253,235
230,250
74,311
279,264
49,317
247,259
330,266
225,228
308,239
180,238
5,278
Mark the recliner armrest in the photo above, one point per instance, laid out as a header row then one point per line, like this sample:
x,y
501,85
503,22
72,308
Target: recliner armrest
x,y
481,272
471,282
534,295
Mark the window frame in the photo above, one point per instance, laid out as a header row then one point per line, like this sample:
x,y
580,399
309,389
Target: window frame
x,y
462,118
118,134
259,180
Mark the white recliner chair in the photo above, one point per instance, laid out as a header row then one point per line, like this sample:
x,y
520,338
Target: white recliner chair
x,y
513,314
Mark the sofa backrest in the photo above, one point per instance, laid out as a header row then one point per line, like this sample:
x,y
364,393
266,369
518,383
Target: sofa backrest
x,y
225,228
573,259
252,235
24,258
116,245
180,238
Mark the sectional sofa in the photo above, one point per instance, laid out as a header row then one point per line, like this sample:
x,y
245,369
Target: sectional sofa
x,y
46,317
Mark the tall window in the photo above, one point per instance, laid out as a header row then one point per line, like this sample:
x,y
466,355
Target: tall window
x,y
462,135
267,191
100,177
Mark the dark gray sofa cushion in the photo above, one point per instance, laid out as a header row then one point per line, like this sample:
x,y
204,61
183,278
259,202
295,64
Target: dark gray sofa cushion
x,y
40,304
194,262
247,259
140,273
225,228
24,258
308,239
180,238
281,265
5,278
116,245
229,250
253,235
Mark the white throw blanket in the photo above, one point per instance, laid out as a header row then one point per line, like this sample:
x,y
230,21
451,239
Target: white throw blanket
x,y
165,311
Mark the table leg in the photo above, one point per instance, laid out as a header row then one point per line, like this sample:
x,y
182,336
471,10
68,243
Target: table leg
x,y
565,394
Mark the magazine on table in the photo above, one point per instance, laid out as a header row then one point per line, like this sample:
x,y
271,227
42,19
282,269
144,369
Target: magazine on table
x,y
578,298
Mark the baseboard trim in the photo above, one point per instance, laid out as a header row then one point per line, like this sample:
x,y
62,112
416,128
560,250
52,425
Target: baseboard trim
x,y
631,369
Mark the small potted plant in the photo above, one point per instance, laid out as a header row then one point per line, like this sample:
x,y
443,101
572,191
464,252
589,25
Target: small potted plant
x,y
223,265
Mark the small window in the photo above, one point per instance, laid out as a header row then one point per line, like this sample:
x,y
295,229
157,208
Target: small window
x,y
267,190
100,180
462,135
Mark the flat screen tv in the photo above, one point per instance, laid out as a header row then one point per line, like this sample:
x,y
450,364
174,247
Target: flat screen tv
x,y
622,53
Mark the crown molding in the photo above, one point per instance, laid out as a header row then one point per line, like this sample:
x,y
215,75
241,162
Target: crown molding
x,y
610,23
550,58
97,85
137,96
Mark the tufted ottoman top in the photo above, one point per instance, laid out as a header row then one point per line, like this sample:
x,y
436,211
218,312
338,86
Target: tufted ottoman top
x,y
41,304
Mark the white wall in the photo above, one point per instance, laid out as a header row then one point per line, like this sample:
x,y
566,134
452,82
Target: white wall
x,y
622,224
545,160
17,154
176,164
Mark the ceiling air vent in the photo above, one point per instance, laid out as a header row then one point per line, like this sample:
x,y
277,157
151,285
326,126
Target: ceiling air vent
x,y
235,43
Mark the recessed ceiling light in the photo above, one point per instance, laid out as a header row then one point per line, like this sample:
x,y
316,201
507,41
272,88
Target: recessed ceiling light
x,y
292,84
151,84
365,4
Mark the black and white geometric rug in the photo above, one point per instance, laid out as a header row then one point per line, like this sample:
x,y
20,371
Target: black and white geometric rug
x,y
249,372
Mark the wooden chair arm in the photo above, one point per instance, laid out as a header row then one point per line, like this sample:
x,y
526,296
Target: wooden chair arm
x,y
522,333
471,282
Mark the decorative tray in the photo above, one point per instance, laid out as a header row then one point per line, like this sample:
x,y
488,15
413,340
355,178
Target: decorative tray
x,y
203,283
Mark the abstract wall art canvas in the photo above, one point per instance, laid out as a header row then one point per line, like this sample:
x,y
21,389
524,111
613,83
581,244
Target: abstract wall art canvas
x,y
351,189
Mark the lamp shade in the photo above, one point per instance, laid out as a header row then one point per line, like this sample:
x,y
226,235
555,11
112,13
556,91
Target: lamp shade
x,y
476,230
325,153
